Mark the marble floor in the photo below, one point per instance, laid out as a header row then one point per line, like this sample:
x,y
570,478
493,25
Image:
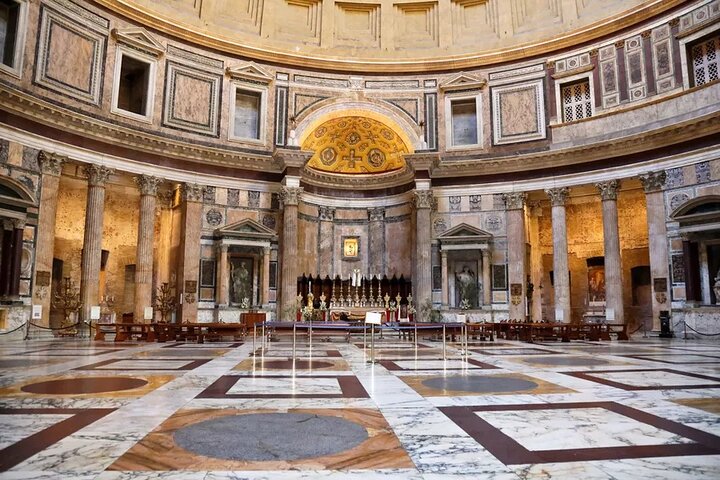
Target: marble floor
x,y
78,409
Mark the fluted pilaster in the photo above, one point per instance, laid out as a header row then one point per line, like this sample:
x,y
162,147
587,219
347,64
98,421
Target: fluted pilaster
x,y
653,183
611,241
515,205
289,199
424,203
146,238
558,197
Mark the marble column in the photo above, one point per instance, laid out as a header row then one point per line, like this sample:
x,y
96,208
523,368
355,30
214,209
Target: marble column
x,y
51,167
652,183
515,206
188,272
611,241
265,291
376,239
445,301
289,199
487,282
146,241
92,241
222,270
326,215
424,203
561,274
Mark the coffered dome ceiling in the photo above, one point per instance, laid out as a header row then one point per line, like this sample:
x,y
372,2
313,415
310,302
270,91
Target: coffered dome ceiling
x,y
397,36
355,145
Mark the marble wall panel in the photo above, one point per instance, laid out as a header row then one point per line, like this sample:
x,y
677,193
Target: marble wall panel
x,y
192,99
635,68
663,66
609,76
398,256
518,112
308,248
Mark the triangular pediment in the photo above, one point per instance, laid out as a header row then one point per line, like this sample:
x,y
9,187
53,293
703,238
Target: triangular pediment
x,y
464,232
247,228
140,39
249,71
463,81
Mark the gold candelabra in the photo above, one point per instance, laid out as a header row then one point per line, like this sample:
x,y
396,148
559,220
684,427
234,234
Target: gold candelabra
x,y
164,301
67,300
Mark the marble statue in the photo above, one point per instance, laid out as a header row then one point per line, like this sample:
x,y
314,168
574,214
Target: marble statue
x,y
716,288
467,286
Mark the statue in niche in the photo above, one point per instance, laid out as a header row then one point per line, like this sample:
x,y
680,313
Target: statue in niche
x,y
241,280
467,287
716,288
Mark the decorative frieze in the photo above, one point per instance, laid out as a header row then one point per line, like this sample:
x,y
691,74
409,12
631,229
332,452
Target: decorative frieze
x,y
376,214
51,163
423,199
97,175
514,200
558,196
326,214
290,195
653,181
608,190
191,192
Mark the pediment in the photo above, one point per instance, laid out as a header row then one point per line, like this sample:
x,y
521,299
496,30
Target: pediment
x,y
249,71
463,81
246,228
140,39
464,233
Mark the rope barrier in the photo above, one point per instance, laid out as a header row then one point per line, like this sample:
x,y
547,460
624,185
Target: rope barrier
x,y
700,333
642,325
42,327
14,329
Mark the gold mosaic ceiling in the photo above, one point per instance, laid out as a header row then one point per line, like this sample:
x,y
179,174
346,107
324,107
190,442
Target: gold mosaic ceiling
x,y
355,145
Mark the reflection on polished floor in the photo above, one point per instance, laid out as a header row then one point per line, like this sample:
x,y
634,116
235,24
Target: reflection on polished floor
x,y
77,410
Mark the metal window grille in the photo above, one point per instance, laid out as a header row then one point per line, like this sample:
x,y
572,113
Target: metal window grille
x,y
577,102
705,60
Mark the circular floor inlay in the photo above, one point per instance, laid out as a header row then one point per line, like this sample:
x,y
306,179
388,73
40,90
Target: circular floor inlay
x,y
300,364
270,436
566,361
72,386
478,384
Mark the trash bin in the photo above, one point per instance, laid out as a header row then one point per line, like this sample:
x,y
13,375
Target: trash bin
x,y
665,331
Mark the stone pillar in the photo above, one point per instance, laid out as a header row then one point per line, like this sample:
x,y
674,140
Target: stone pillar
x,y
6,259
515,206
188,272
487,282
265,291
289,199
376,236
424,202
444,272
326,216
146,240
16,257
652,183
51,167
611,241
92,240
222,275
561,274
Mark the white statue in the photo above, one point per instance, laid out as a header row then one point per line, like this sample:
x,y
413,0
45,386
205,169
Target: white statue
x,y
716,288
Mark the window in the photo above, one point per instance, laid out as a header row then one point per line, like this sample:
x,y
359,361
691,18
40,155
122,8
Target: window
x,y
462,124
12,29
133,88
704,60
576,100
246,123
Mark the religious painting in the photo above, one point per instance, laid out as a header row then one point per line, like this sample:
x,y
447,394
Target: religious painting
x,y
207,280
436,278
499,277
351,248
596,283
273,275
241,280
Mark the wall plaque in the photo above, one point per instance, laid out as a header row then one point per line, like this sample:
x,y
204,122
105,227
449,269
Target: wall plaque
x,y
190,286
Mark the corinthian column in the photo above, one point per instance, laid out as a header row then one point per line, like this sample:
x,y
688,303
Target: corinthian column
x,y
51,166
146,239
326,215
189,259
558,197
289,199
515,206
376,236
424,203
652,183
265,291
487,286
611,241
92,241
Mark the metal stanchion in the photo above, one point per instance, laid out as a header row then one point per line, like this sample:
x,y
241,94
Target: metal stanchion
x,y
416,340
372,344
294,340
254,353
310,336
685,330
444,339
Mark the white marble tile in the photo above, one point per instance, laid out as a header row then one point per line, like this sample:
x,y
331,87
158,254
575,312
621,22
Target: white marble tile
x,y
14,428
654,379
285,386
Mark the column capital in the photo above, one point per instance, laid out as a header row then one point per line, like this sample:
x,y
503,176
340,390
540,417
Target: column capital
x,y
97,174
266,250
423,199
221,247
290,195
326,213
608,190
485,253
514,200
147,184
558,196
653,181
376,214
51,163
191,192
443,253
